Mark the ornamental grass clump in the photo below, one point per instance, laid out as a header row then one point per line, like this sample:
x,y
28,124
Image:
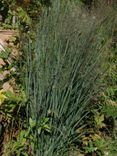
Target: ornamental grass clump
x,y
62,76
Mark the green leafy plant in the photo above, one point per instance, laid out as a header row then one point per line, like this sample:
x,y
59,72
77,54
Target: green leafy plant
x,y
44,127
18,146
5,54
99,120
90,148
19,14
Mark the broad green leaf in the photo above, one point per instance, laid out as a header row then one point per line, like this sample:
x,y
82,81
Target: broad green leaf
x,y
39,130
32,123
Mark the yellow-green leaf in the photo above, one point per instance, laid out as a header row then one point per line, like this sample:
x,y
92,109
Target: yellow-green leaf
x,y
2,96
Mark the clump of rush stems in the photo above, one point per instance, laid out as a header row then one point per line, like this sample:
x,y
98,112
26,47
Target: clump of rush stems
x,y
62,75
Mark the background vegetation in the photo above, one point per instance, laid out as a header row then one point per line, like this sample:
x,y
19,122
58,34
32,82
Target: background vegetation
x,y
67,103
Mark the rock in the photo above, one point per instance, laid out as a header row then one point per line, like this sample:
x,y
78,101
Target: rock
x,y
7,87
1,48
6,73
2,62
9,60
13,69
1,77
